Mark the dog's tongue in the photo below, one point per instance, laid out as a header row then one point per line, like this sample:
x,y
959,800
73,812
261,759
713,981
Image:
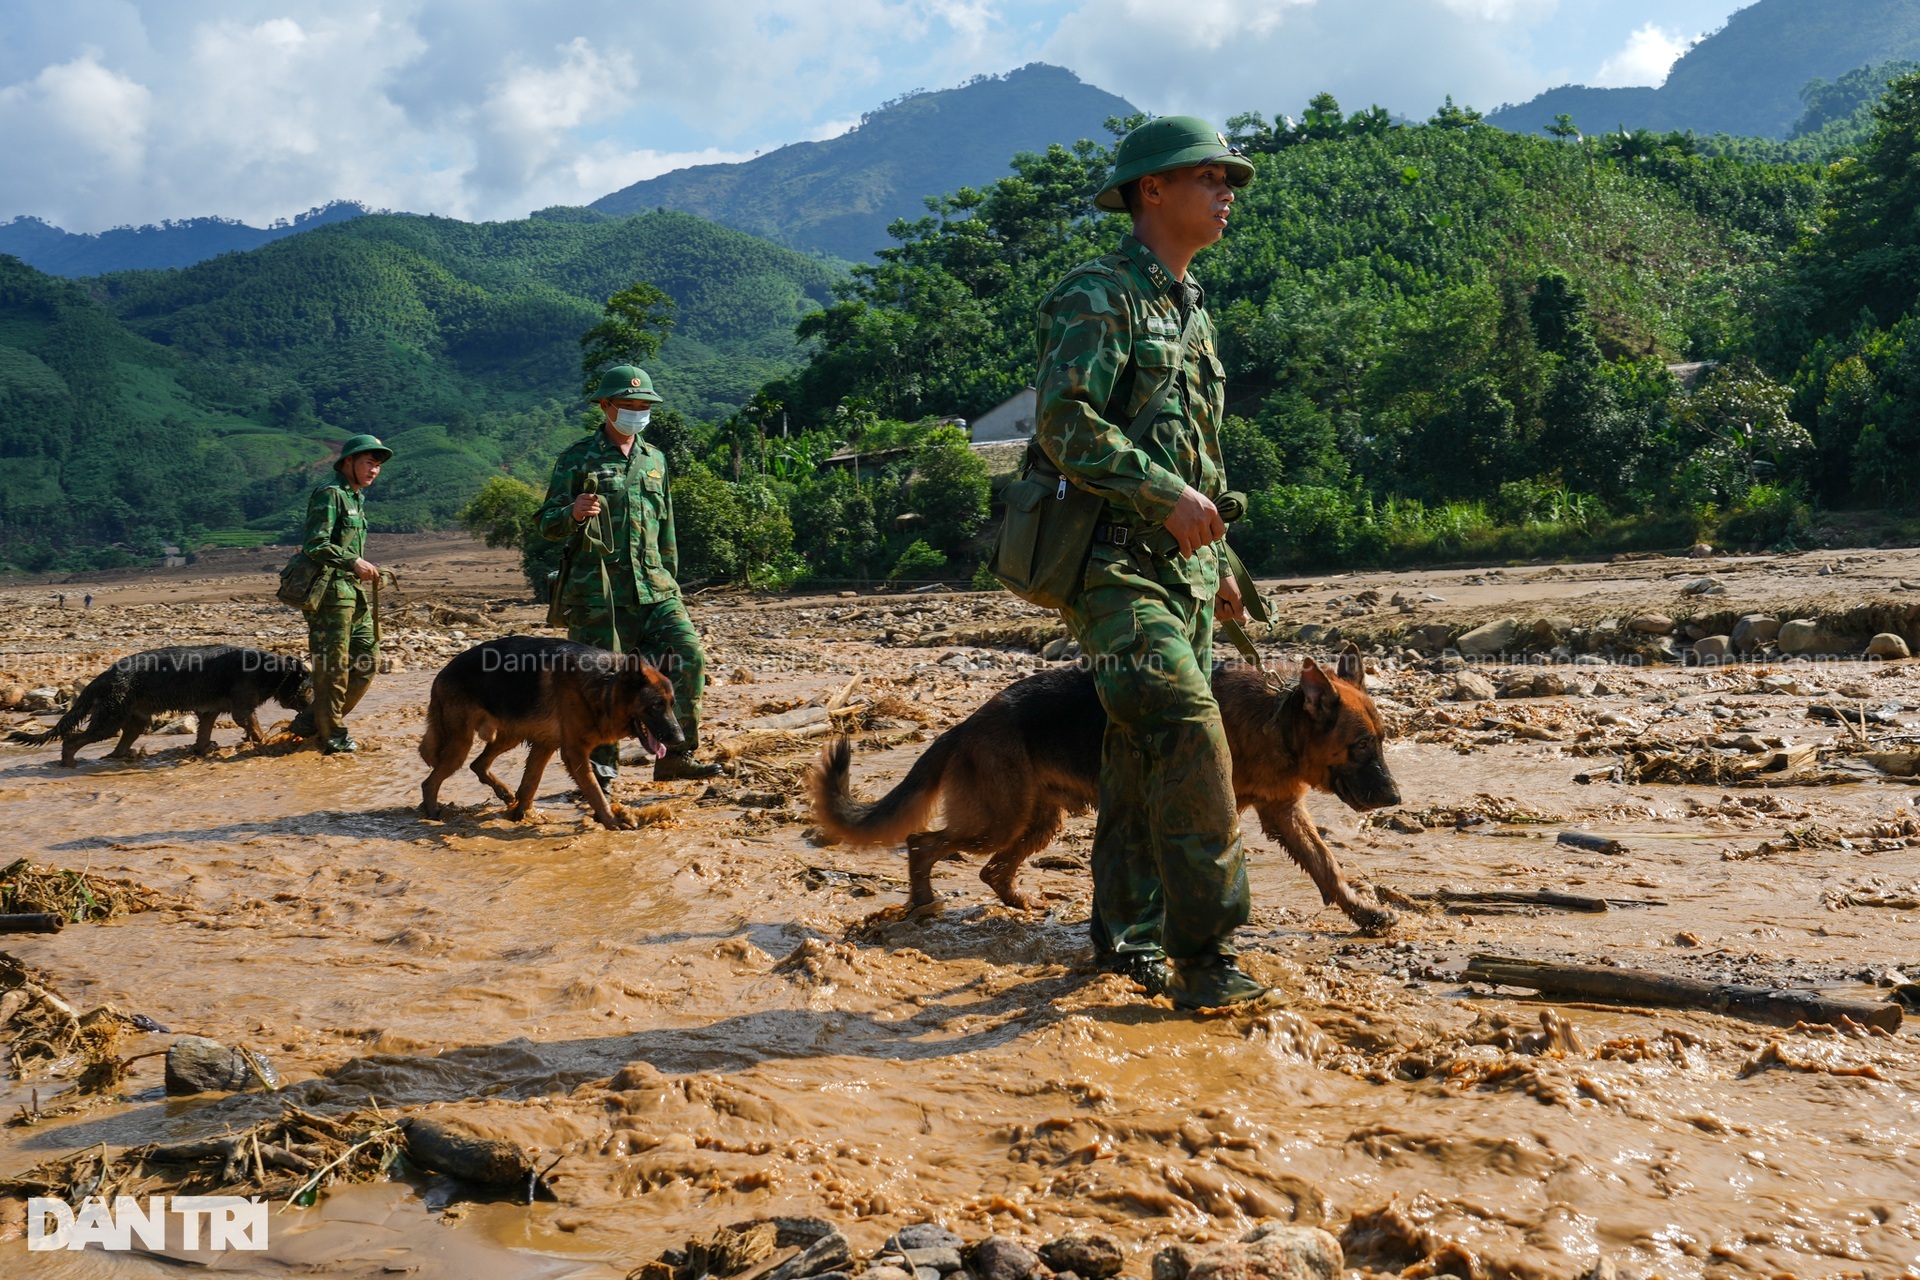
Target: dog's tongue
x,y
659,751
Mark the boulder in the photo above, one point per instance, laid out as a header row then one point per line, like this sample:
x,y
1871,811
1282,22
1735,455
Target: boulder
x,y
1494,637
10,696
441,1146
1701,551
1470,687
1651,624
923,1235
940,1260
1431,638
196,1064
1266,1253
1753,631
1090,1257
998,1258
1803,635
1888,645
1704,587
1552,631
1713,650
1318,633
38,700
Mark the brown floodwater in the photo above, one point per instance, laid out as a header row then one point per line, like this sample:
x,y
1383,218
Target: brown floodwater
x,y
714,1019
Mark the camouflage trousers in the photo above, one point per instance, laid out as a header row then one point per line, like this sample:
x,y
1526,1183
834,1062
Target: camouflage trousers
x,y
341,646
663,634
1169,870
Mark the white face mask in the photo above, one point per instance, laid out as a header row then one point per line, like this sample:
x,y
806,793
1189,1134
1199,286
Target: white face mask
x,y
631,422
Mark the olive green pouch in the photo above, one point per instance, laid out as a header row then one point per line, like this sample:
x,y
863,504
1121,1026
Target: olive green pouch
x,y
1047,536
301,582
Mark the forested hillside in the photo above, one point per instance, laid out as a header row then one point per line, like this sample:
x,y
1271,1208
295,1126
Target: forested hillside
x,y
168,244
837,197
217,389
1746,79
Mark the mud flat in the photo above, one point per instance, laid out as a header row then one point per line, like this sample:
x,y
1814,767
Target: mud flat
x,y
714,1019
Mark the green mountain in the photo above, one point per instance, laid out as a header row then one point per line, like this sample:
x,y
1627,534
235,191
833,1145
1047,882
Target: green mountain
x,y
1746,79
212,392
168,244
838,197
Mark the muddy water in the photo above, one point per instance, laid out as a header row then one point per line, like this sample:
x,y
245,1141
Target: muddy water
x,y
703,1030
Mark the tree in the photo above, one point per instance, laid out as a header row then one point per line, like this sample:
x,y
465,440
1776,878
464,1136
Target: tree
x,y
918,561
502,514
1563,128
950,488
1737,423
637,321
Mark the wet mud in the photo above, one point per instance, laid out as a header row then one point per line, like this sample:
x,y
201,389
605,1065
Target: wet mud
x,y
714,1018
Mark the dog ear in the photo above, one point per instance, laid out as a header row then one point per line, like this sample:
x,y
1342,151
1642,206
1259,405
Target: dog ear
x,y
1317,692
1353,667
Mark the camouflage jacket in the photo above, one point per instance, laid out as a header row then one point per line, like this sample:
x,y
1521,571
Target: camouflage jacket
x,y
1109,334
336,533
636,520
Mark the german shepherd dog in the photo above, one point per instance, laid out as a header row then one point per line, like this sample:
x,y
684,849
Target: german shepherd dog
x,y
1008,773
554,694
205,679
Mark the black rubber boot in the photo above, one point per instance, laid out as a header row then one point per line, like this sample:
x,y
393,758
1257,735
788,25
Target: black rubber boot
x,y
679,767
1148,968
1214,982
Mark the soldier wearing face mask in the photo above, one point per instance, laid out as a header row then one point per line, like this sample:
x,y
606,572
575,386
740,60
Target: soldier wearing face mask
x,y
609,502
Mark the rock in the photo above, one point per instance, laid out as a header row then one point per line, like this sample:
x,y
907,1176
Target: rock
x,y
1543,684
1803,635
1551,631
1494,637
38,700
1089,1256
830,1252
1704,587
441,1146
188,723
922,1235
1701,551
1651,624
1713,649
11,695
885,1271
1694,631
942,1259
1469,687
1315,633
1753,631
1267,1253
1174,1262
1431,638
998,1258
1055,649
196,1064
1888,645
1660,649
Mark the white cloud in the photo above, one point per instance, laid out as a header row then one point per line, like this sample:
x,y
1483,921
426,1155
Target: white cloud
x,y
1646,58
79,110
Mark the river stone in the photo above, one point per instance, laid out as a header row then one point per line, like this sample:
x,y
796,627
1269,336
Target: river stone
x,y
1803,635
1471,687
887,1272
11,695
1888,645
1652,624
942,1259
196,1064
441,1146
1551,631
1753,631
1266,1253
923,1235
1713,649
1088,1256
998,1258
1494,637
830,1252
1431,638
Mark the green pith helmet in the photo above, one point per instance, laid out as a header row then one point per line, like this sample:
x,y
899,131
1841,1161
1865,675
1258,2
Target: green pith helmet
x,y
361,444
1171,142
625,382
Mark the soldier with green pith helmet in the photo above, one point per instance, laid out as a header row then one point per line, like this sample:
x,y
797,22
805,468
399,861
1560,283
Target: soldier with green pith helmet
x,y
609,502
342,635
1169,873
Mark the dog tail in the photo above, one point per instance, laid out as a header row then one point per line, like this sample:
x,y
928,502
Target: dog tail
x,y
436,729
888,820
81,709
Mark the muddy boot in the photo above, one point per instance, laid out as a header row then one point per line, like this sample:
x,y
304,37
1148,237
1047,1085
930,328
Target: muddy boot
x,y
303,725
680,766
1148,968
339,743
606,775
1213,982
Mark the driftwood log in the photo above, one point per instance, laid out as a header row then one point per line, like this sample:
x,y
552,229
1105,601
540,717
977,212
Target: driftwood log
x,y
1638,986
31,922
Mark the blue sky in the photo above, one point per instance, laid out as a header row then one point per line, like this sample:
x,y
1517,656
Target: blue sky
x,y
131,111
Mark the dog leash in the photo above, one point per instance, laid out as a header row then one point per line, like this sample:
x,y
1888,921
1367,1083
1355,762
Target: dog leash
x,y
592,539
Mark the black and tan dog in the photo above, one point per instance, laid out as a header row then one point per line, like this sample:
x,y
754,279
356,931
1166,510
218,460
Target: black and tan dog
x,y
555,695
206,679
1008,774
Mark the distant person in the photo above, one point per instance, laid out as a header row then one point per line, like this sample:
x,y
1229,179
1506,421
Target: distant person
x,y
61,597
1131,400
87,600
340,628
608,501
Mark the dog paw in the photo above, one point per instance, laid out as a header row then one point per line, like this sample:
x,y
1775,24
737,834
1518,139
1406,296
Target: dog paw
x,y
1374,921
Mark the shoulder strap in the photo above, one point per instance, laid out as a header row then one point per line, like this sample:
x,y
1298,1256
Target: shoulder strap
x,y
1036,457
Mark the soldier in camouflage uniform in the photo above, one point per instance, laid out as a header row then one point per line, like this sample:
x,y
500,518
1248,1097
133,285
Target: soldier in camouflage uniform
x,y
340,628
609,502
1169,873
